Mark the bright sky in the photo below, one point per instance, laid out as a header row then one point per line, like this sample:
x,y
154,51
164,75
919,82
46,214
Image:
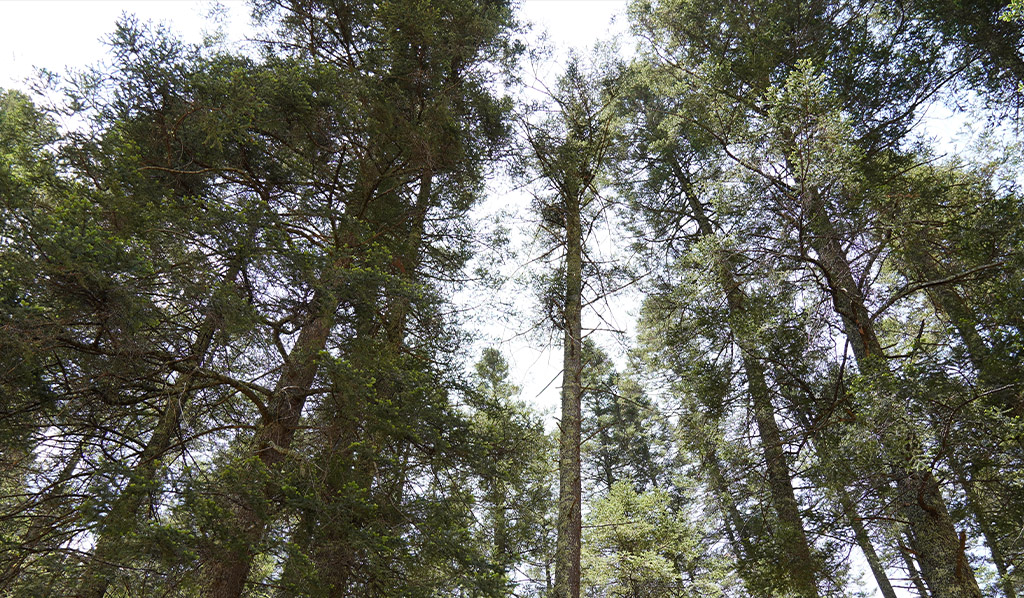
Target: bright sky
x,y
54,34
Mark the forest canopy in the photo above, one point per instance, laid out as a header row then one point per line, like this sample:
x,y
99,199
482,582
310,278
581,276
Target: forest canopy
x,y
236,358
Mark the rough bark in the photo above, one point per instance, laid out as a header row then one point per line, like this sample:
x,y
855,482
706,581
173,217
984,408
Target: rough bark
x,y
570,494
797,559
228,570
940,549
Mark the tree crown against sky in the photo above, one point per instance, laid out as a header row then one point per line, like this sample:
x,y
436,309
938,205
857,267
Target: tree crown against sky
x,y
240,355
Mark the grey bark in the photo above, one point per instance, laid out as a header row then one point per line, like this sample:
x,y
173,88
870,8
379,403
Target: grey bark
x,y
940,549
570,492
797,559
860,533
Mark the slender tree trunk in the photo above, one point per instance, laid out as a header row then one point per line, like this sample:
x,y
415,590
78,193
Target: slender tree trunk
x,y
797,557
570,494
912,571
941,551
45,519
860,533
336,559
123,519
501,555
800,565
949,303
976,506
735,527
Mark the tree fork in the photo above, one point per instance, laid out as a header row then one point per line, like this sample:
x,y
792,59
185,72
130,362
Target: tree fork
x,y
228,570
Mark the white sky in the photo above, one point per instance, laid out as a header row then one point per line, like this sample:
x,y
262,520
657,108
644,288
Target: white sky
x,y
54,34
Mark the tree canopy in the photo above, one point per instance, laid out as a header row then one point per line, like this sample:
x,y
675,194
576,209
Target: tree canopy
x,y
235,358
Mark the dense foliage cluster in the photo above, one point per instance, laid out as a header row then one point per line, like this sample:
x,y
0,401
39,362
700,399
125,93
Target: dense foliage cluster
x,y
231,361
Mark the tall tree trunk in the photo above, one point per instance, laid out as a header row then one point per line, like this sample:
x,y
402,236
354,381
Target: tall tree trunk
x,y
797,557
228,570
800,565
948,302
941,551
337,558
976,506
388,494
860,533
912,571
735,527
123,519
823,445
570,493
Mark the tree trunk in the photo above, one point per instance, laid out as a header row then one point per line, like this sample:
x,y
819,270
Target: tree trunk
x,y
228,570
797,557
992,540
570,493
860,533
950,304
123,519
800,565
940,549
502,555
908,561
336,559
735,527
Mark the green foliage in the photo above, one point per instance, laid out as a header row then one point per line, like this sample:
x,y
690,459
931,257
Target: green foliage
x,y
640,544
230,364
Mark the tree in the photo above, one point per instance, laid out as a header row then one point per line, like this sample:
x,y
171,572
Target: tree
x,y
229,331
569,150
410,149
639,544
783,109
515,482
624,431
669,198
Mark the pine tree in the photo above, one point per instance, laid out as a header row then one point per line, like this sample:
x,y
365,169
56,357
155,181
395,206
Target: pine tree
x,y
569,151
